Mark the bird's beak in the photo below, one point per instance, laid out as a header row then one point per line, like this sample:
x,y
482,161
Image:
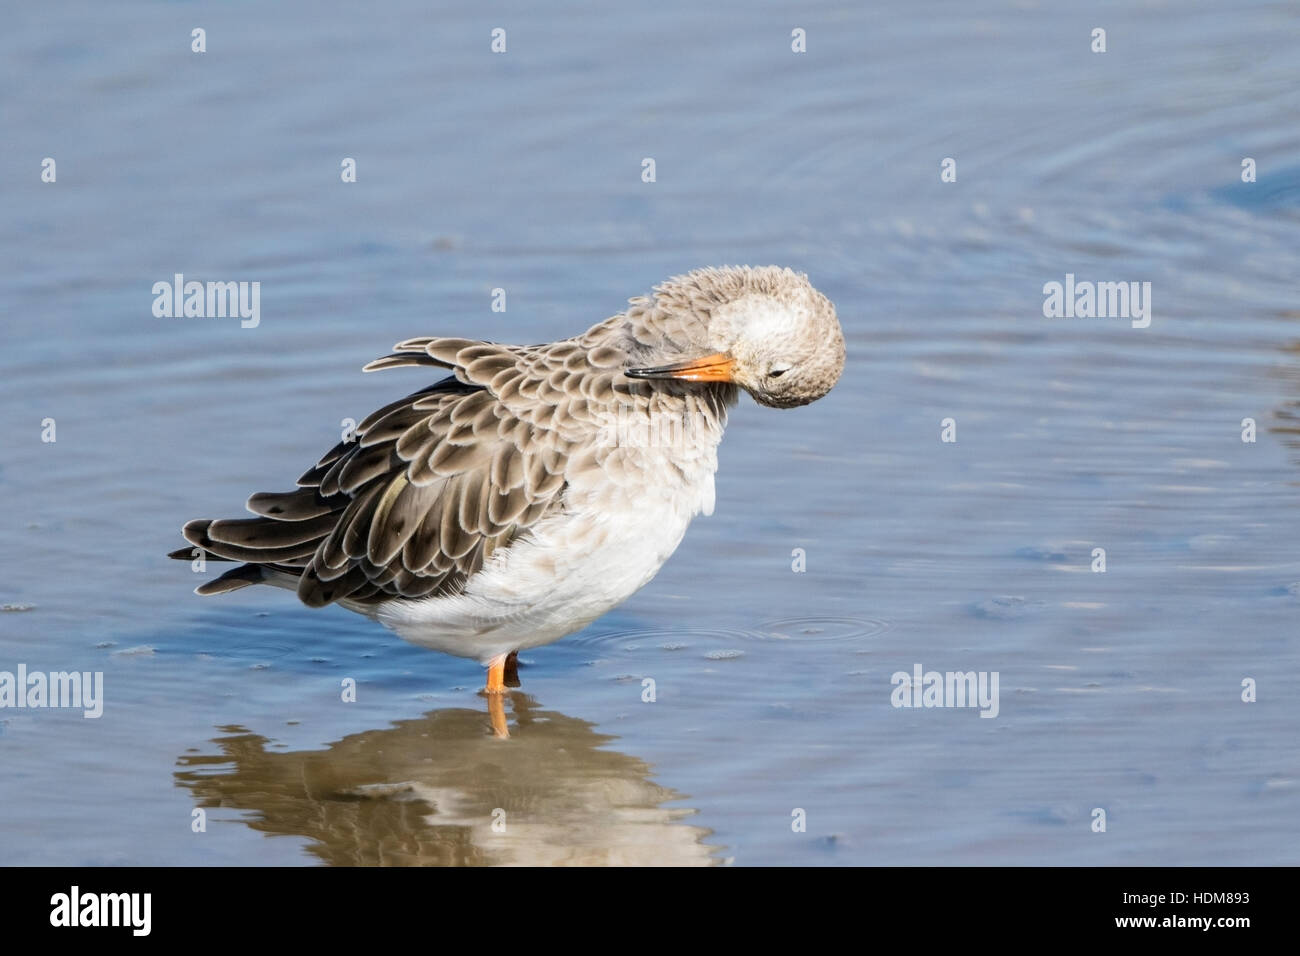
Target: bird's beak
x,y
718,367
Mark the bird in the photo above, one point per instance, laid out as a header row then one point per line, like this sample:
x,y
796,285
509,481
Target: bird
x,y
534,488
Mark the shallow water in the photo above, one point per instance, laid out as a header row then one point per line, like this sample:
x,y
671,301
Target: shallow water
x,y
1119,691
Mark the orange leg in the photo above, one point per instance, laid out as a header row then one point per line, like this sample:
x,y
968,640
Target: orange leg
x,y
496,693
496,676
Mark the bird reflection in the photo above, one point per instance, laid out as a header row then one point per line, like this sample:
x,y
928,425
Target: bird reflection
x,y
442,790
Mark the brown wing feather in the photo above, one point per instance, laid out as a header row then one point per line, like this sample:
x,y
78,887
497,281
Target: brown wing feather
x,y
428,489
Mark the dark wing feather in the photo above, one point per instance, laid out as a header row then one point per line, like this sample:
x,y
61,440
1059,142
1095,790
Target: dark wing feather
x,y
427,490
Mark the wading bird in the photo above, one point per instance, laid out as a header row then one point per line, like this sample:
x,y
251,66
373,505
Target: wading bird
x,y
536,487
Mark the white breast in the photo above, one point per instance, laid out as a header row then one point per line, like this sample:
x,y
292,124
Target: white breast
x,y
568,570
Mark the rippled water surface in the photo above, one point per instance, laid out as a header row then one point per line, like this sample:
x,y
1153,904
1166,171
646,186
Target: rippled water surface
x,y
1119,691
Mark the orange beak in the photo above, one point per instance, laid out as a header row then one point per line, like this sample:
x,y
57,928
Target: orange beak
x,y
717,367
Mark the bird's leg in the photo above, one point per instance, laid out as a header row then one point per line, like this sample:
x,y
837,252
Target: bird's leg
x,y
512,669
496,695
496,675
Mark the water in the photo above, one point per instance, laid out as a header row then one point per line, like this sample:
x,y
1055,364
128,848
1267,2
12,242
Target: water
x,y
1119,691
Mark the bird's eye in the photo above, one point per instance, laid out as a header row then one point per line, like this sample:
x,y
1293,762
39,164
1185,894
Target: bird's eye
x,y
776,371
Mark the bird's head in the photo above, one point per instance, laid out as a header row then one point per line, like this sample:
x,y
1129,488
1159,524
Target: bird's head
x,y
766,330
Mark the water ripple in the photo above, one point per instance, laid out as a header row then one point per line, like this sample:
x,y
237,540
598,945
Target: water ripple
x,y
825,630
715,640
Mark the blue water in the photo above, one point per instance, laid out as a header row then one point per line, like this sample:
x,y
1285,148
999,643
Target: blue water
x,y
1119,691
